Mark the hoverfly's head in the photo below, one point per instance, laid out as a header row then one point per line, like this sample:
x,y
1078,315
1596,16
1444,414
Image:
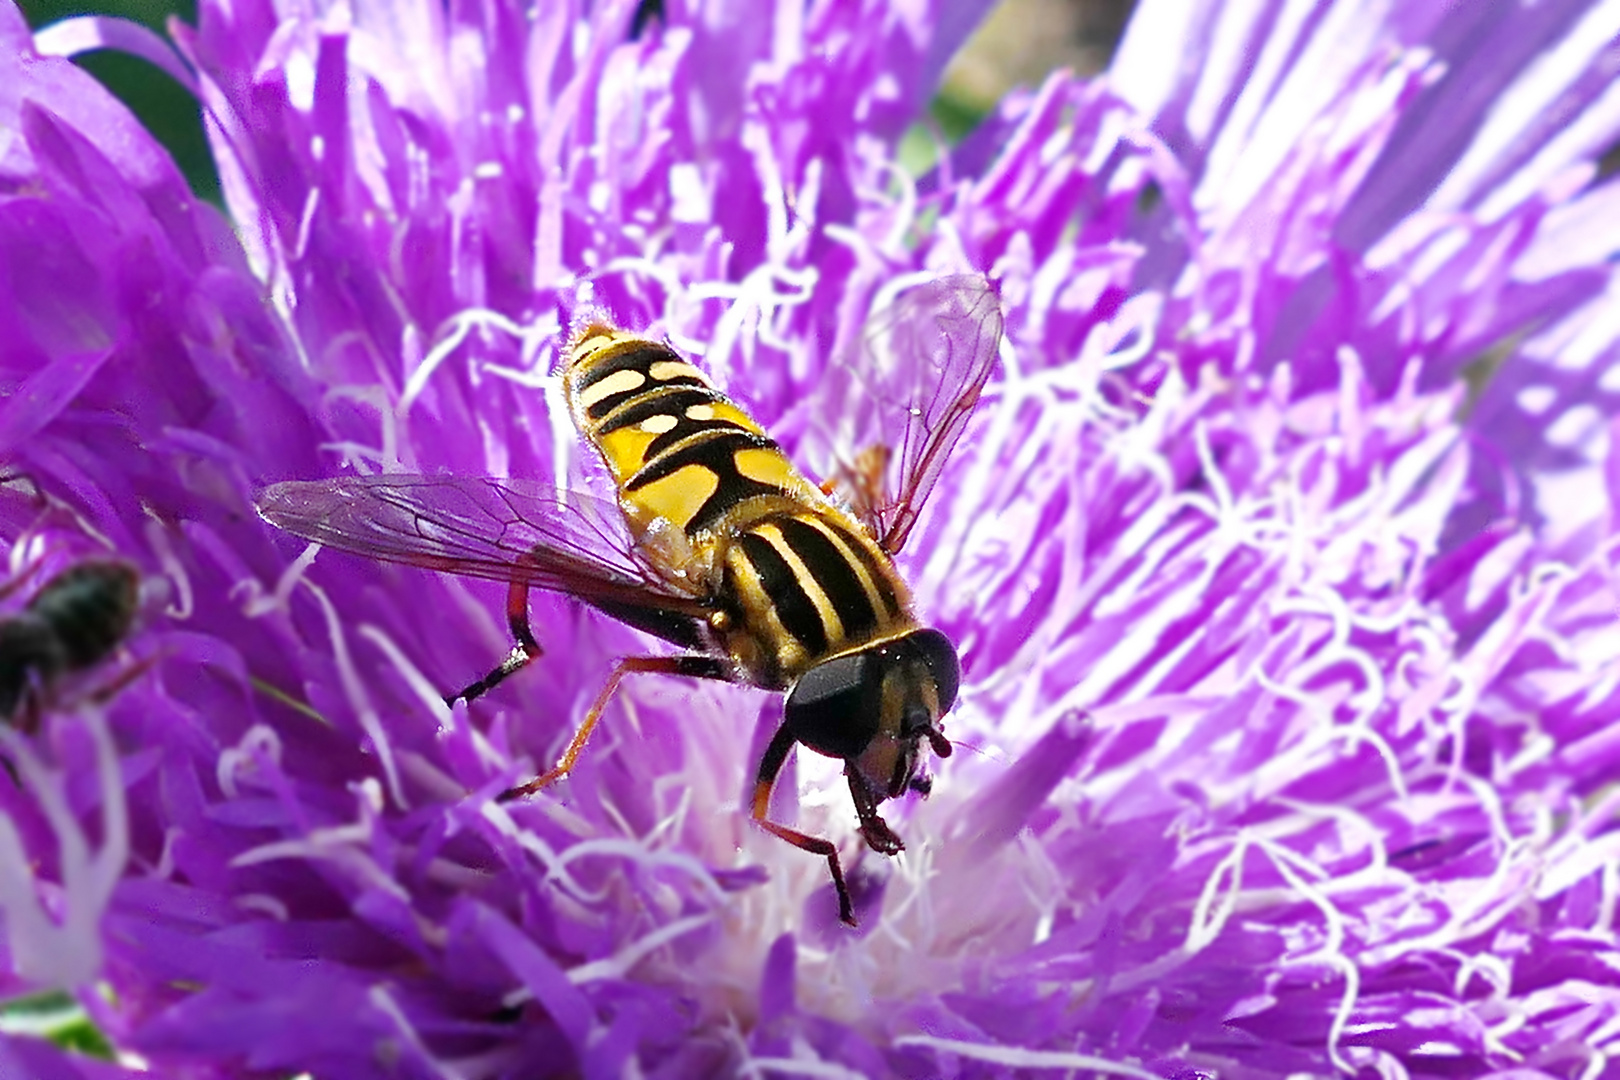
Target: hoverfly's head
x,y
874,707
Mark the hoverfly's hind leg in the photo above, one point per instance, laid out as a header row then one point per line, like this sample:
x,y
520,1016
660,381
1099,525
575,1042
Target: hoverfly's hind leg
x,y
526,651
695,667
769,765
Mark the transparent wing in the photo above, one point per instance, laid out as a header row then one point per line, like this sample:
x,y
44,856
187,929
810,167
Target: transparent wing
x,y
502,530
884,420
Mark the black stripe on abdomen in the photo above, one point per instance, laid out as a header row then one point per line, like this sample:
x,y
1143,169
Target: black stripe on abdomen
x,y
636,356
658,401
880,575
673,403
714,454
832,571
794,608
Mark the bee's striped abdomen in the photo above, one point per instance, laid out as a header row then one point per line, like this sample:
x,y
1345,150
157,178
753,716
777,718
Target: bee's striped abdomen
x,y
677,447
811,586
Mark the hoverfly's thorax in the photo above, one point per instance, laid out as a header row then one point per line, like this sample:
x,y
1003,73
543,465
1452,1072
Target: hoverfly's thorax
x,y
811,584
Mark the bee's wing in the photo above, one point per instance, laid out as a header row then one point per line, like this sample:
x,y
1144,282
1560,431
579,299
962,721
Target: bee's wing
x,y
498,529
884,420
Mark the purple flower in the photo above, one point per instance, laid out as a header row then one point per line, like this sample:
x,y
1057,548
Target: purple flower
x,y
1279,553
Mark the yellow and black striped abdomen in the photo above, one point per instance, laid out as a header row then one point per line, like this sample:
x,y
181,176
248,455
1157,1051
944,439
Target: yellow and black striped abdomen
x,y
795,579
810,584
678,448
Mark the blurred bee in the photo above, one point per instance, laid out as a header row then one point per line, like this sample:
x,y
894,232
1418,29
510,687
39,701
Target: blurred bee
x,y
73,622
646,11
733,555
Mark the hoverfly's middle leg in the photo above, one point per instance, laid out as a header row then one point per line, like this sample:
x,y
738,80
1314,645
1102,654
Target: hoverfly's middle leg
x,y
769,765
526,651
695,667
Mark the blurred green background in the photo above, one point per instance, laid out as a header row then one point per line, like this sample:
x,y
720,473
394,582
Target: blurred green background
x,y
163,105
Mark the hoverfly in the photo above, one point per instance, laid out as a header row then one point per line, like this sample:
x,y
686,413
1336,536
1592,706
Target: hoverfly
x,y
761,576
73,622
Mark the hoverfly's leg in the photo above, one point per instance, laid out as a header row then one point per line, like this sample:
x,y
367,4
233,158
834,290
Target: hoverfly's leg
x,y
769,765
879,837
112,687
695,667
526,651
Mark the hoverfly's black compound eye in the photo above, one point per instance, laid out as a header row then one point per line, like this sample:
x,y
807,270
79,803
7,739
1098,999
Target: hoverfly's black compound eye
x,y
940,656
834,707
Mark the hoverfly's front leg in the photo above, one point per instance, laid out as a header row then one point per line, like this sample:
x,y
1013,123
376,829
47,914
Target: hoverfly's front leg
x,y
526,651
769,765
695,667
